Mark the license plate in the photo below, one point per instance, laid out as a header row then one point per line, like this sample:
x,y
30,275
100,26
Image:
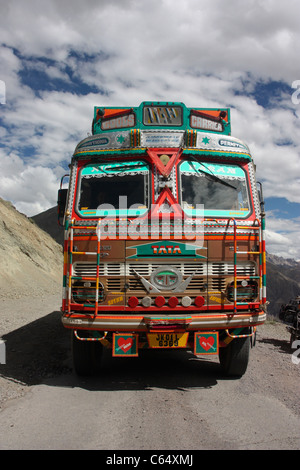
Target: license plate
x,y
167,340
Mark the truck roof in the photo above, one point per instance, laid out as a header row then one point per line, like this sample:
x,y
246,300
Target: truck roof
x,y
161,115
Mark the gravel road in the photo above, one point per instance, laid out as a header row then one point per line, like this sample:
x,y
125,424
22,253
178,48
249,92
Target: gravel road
x,y
168,400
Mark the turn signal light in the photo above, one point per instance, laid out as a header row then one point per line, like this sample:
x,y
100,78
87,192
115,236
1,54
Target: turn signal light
x,y
160,301
199,301
173,302
133,302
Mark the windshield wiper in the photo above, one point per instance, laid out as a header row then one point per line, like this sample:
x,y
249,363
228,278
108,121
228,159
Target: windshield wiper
x,y
211,176
119,168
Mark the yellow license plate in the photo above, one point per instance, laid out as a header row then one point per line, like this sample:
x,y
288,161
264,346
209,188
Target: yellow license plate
x,y
167,340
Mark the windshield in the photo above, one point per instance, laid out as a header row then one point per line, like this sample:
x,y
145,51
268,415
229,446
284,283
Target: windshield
x,y
117,188
220,188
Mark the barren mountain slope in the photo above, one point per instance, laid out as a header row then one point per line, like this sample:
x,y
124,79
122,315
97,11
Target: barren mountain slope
x,y
30,260
47,221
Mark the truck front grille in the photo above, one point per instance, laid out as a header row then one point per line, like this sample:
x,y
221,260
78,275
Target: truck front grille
x,y
212,276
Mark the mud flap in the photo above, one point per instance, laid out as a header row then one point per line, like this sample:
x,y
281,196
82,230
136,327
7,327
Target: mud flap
x,y
125,345
206,343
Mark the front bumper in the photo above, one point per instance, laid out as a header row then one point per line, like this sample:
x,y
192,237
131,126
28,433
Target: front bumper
x,y
144,322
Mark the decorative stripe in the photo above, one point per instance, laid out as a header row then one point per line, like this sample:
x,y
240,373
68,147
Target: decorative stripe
x,y
263,249
65,266
142,150
98,231
108,152
70,268
235,334
135,137
219,153
191,138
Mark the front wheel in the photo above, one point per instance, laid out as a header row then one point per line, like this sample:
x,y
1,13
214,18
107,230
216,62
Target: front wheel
x,y
234,358
86,355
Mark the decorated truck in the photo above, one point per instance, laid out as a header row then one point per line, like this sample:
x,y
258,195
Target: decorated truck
x,y
163,237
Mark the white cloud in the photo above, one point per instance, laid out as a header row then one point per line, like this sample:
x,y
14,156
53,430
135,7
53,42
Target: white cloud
x,y
207,36
202,53
31,188
283,236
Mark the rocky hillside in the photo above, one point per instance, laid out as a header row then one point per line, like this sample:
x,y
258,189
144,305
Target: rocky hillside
x,y
47,221
30,259
283,281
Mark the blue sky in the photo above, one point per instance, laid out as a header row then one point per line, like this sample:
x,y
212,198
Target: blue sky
x,y
58,59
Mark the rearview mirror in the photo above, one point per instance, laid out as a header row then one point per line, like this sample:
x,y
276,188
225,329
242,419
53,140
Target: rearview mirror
x,y
61,204
261,197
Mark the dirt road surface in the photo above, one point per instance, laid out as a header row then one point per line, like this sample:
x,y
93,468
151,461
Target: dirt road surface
x,y
158,401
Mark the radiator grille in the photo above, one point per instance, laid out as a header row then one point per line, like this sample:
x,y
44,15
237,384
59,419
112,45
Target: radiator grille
x,y
211,275
121,269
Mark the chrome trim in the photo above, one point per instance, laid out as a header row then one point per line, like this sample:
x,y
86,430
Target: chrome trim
x,y
137,322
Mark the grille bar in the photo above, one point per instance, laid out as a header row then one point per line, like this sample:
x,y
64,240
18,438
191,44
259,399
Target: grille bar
x,y
126,269
212,276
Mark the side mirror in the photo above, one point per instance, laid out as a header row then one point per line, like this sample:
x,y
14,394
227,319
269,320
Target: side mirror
x,y
261,197
61,201
61,204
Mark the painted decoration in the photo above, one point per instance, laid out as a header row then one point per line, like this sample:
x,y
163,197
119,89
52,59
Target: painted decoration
x,y
125,344
206,343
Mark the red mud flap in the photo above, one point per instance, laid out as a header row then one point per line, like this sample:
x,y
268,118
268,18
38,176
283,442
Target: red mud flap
x,y
125,345
206,343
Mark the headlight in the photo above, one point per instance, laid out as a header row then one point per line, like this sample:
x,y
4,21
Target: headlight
x,y
247,291
84,292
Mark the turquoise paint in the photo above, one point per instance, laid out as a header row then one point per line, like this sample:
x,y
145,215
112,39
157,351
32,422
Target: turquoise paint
x,y
164,113
166,249
217,169
114,168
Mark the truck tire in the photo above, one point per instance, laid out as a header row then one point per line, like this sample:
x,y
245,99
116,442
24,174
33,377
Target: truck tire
x,y
86,355
234,358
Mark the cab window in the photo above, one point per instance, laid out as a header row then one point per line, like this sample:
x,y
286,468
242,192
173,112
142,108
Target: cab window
x,y
117,188
220,189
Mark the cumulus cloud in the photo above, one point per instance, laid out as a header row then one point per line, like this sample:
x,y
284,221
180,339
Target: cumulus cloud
x,y
283,236
59,59
32,186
